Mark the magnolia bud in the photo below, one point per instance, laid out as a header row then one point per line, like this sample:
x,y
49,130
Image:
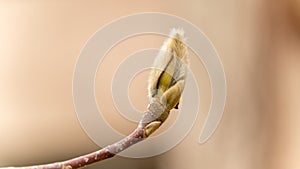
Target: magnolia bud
x,y
167,78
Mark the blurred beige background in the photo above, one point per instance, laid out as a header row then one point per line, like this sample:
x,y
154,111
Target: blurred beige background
x,y
258,42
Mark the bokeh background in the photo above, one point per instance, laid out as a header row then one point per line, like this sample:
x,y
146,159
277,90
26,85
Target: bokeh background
x,y
258,42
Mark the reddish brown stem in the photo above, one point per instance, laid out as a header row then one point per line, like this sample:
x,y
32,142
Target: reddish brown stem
x,y
154,113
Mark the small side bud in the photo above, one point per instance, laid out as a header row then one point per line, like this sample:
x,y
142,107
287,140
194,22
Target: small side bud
x,y
150,128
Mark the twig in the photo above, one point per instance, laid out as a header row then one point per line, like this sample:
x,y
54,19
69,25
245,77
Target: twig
x,y
152,115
